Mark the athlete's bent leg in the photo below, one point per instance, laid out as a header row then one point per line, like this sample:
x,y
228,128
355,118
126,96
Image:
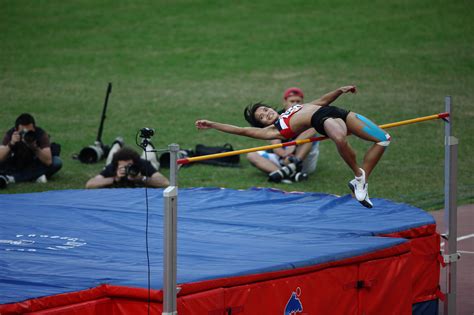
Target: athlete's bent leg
x,y
336,130
367,130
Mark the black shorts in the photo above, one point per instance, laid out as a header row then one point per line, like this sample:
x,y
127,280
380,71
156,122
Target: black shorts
x,y
325,112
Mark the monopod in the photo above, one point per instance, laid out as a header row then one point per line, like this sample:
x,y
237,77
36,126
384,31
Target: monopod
x,y
97,151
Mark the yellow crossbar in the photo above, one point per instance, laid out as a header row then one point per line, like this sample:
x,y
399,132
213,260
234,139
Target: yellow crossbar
x,y
302,141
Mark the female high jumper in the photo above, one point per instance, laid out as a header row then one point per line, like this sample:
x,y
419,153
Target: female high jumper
x,y
331,121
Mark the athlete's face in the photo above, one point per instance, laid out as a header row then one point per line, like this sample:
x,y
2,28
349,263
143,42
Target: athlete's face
x,y
266,115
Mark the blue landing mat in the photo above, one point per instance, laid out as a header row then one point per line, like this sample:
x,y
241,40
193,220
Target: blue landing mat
x,y
62,241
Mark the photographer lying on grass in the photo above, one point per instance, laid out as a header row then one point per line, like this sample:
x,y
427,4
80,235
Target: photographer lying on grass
x,y
128,169
331,121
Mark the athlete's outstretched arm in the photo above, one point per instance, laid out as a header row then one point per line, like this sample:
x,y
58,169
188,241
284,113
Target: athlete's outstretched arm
x,y
267,133
330,97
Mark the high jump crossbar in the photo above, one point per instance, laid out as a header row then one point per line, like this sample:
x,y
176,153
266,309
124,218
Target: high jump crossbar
x,y
302,141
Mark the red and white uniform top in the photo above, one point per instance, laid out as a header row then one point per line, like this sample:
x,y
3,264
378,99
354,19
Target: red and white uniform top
x,y
283,122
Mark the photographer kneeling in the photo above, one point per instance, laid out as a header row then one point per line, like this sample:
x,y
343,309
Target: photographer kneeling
x,y
127,169
26,153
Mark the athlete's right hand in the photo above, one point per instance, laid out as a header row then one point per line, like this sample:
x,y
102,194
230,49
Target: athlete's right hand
x,y
203,124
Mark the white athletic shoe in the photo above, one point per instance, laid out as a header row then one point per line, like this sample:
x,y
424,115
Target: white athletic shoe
x,y
42,179
360,186
366,202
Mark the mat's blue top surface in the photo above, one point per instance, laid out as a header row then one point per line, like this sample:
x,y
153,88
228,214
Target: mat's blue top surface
x,y
62,241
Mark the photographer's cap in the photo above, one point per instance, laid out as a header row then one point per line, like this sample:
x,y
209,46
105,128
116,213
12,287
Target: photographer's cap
x,y
293,91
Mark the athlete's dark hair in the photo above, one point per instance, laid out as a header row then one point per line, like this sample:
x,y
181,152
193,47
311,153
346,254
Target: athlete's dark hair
x,y
24,119
249,114
125,154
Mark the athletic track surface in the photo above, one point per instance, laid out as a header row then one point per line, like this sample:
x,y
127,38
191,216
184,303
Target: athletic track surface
x,y
465,276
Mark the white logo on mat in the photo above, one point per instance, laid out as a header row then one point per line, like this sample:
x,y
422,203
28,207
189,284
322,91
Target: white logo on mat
x,y
36,242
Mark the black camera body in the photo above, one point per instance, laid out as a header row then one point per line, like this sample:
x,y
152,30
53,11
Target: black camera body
x,y
28,136
132,170
147,133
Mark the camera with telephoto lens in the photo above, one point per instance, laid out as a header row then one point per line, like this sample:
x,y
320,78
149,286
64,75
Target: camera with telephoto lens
x,y
132,170
93,153
28,136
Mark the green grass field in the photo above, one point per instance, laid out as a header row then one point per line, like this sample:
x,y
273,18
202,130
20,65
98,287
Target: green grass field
x,y
172,62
